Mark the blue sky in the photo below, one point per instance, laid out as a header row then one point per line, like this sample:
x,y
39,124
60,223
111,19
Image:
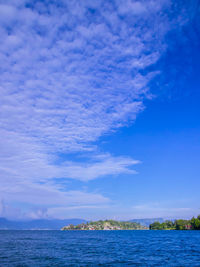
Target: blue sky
x,y
99,109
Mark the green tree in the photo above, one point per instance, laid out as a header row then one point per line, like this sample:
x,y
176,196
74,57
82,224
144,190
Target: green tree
x,y
169,224
155,226
195,222
181,224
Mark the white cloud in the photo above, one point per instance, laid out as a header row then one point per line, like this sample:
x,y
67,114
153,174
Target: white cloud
x,y
50,195
66,85
26,161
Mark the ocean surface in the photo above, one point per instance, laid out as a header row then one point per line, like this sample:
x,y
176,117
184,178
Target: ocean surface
x,y
99,248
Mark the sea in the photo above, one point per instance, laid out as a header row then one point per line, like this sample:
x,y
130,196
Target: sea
x,y
99,248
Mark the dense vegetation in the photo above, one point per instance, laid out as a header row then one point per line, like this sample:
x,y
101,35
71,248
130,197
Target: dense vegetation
x,y
105,225
193,224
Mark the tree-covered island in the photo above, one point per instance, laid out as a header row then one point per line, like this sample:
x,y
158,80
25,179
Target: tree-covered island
x,y
106,225
180,224
193,224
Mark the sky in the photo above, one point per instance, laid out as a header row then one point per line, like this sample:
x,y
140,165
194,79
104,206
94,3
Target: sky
x,y
99,109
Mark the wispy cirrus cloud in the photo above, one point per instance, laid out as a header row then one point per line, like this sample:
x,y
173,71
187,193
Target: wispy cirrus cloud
x,y
72,71
69,78
35,165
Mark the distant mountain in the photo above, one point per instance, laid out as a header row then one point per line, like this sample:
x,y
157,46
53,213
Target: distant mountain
x,y
43,224
147,221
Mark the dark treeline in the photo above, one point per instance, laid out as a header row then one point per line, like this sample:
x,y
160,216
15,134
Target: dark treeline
x,y
193,224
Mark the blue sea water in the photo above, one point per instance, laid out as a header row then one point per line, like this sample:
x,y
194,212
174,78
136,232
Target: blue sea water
x,y
99,248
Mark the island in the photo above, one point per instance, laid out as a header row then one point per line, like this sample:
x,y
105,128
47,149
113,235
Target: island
x,y
192,224
106,225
